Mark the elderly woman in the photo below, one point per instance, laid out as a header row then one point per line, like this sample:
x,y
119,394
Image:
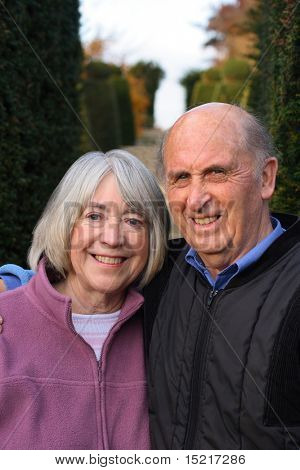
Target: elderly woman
x,y
72,360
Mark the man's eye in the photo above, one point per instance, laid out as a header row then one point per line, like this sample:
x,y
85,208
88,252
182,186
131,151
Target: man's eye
x,y
182,176
218,173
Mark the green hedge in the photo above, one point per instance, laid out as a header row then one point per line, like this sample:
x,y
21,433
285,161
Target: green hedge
x,y
152,74
224,83
102,114
107,107
188,81
275,93
39,133
126,118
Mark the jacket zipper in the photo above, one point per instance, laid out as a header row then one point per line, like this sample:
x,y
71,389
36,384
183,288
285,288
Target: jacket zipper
x,y
115,328
199,362
71,326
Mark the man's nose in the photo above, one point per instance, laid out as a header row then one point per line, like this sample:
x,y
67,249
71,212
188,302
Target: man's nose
x,y
198,196
112,233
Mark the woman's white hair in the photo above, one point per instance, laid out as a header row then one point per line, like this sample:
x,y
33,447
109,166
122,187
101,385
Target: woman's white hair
x,y
139,189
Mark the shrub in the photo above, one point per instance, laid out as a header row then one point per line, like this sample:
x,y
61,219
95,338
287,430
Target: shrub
x,y
39,130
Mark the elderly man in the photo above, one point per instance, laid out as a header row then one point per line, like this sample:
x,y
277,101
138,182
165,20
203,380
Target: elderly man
x,y
225,348
224,366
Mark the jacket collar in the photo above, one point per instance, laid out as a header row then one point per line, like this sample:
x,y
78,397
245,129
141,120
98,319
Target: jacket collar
x,y
277,250
286,241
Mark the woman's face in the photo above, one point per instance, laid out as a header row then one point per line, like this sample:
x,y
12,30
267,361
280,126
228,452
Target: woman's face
x,y
109,243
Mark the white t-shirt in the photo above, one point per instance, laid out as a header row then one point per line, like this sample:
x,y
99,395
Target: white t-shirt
x,y
95,328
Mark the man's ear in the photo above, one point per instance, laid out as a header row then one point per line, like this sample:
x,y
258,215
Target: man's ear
x,y
269,178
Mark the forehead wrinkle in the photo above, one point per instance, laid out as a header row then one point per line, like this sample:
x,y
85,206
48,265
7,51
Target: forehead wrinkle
x,y
215,131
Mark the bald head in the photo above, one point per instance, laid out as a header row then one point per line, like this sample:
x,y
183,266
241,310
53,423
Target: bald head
x,y
222,122
219,114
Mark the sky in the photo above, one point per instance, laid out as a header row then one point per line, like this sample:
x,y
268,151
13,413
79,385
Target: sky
x,y
169,32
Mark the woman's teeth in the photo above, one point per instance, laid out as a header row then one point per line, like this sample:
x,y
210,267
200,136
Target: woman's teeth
x,y
108,260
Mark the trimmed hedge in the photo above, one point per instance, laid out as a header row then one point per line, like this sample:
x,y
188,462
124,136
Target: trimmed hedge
x,y
224,83
126,117
39,132
107,106
275,91
152,74
188,81
102,114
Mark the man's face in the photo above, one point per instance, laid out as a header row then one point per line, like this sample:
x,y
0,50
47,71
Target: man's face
x,y
214,194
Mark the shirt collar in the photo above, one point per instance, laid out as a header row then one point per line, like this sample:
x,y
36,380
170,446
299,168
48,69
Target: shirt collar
x,y
241,264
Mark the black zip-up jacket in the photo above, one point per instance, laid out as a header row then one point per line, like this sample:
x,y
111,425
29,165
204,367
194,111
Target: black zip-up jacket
x,y
224,367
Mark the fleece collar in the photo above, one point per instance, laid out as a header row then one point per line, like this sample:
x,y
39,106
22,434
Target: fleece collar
x,y
58,307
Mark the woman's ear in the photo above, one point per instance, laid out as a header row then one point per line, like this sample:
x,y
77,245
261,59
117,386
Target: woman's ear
x,y
269,178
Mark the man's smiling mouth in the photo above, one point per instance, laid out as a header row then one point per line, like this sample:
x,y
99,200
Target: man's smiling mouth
x,y
205,220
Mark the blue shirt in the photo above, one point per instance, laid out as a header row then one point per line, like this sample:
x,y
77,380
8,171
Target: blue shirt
x,y
231,271
14,276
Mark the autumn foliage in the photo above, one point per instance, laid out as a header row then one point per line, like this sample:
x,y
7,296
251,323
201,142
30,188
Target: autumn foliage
x,y
230,32
140,102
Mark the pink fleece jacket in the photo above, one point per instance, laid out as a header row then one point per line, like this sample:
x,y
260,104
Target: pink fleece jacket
x,y
53,392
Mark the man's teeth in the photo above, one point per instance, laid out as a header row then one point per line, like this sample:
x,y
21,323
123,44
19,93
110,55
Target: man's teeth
x,y
107,260
206,220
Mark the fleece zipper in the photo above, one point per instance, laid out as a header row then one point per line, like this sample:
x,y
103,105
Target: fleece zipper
x,y
102,364
98,405
117,326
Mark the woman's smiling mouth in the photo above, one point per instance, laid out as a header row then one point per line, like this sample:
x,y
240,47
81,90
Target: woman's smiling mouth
x,y
109,260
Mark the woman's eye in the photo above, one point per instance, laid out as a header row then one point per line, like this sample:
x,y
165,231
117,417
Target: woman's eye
x,y
136,223
95,217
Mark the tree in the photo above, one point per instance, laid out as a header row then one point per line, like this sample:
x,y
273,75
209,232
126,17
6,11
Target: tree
x,y
275,93
108,106
188,81
139,100
101,106
228,80
93,50
151,74
40,60
224,83
230,33
125,109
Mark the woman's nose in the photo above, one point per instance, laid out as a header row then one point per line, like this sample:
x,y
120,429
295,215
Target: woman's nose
x,y
112,233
